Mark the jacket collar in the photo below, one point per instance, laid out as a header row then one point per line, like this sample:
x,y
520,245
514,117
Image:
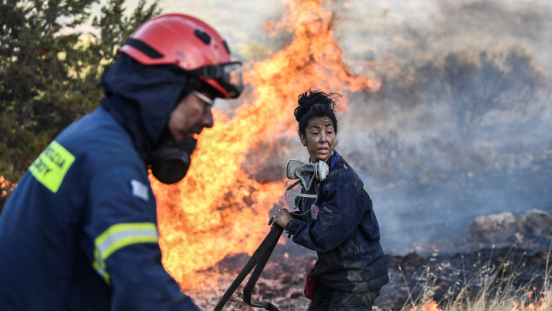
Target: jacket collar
x,y
334,158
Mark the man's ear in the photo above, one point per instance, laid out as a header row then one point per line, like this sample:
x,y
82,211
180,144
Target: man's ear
x,y
303,139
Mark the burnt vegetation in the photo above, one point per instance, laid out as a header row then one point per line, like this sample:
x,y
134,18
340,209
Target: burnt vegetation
x,y
453,282
468,139
458,128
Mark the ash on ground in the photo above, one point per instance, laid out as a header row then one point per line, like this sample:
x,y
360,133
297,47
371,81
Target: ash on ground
x,y
412,278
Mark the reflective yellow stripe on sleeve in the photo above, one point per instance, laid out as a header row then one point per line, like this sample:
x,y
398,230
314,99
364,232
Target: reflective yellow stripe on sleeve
x,y
119,236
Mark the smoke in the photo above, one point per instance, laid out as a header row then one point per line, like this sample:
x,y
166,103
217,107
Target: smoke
x,y
460,126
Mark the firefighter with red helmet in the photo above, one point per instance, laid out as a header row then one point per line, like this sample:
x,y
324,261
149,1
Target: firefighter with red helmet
x,y
80,230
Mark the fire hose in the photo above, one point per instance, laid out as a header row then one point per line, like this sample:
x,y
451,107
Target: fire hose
x,y
257,261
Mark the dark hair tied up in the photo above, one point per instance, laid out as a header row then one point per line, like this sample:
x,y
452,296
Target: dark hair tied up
x,y
315,104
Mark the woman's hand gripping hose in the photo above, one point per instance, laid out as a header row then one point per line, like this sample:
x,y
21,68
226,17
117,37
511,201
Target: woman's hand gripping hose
x,y
282,218
257,261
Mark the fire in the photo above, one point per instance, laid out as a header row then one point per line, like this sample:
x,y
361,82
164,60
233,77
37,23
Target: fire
x,y
6,184
430,306
522,307
543,303
218,209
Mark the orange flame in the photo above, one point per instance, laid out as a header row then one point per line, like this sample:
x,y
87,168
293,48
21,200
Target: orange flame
x,y
218,209
6,184
530,307
542,304
429,306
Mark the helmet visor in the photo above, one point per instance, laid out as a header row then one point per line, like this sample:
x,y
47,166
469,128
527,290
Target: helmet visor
x,y
228,75
232,78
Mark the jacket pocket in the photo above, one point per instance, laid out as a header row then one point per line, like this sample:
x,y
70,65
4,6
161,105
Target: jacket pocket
x,y
355,268
325,218
339,267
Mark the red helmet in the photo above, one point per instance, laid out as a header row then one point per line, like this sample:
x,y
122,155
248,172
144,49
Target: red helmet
x,y
190,44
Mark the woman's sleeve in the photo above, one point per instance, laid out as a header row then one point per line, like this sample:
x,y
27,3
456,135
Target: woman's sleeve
x,y
297,214
336,219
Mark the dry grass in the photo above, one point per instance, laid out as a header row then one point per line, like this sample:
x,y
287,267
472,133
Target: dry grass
x,y
493,279
495,291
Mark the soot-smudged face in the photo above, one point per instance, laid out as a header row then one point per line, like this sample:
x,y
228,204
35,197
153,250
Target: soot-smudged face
x,y
319,138
190,117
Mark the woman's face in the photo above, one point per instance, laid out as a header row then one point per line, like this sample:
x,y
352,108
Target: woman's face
x,y
319,138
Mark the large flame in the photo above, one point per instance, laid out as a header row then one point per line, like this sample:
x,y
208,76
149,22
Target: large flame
x,y
218,209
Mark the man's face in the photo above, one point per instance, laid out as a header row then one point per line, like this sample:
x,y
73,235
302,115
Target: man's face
x,y
319,138
190,116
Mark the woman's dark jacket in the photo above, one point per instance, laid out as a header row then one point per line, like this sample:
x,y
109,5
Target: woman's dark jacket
x,y
342,228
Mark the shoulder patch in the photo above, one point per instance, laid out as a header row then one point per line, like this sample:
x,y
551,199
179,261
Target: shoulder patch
x,y
51,166
314,211
139,190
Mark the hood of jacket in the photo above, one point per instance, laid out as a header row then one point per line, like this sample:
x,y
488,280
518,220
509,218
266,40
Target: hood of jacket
x,y
141,98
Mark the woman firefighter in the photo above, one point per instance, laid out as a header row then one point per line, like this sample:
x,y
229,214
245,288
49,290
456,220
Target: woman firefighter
x,y
335,216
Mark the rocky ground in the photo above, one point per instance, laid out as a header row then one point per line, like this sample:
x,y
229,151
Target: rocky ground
x,y
412,277
532,231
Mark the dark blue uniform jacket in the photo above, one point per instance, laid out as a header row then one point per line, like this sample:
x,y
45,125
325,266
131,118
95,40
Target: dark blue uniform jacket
x,y
342,228
79,232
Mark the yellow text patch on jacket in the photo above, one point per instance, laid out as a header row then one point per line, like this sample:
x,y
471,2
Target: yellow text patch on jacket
x,y
51,166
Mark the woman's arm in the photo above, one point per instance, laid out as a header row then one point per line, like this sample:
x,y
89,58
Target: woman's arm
x,y
336,219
